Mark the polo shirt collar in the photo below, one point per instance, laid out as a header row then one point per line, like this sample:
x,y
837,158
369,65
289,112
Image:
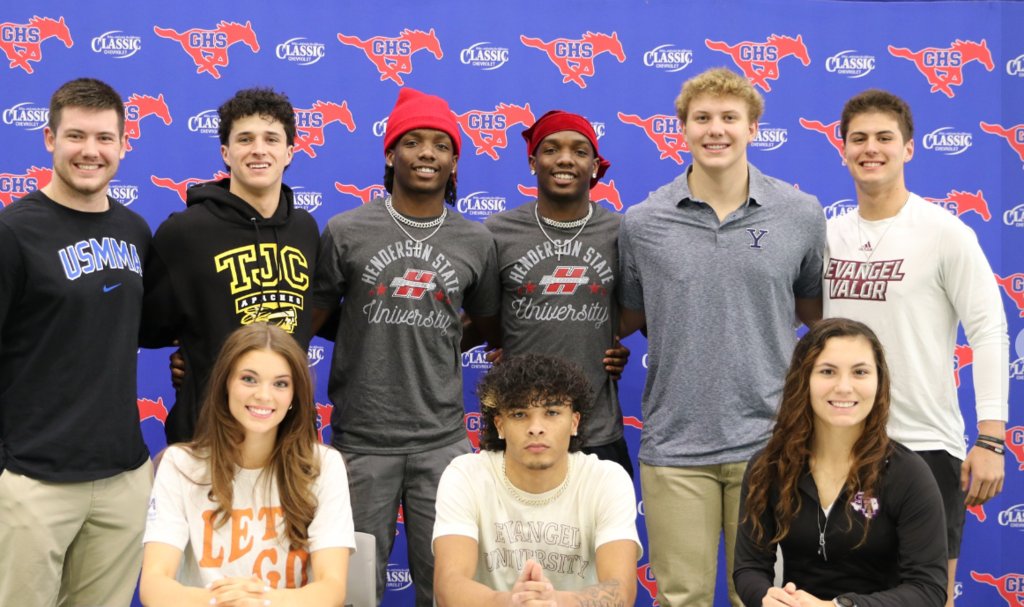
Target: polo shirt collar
x,y
758,193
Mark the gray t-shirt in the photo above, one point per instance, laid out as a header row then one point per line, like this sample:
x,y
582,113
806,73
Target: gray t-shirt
x,y
563,305
720,304
396,375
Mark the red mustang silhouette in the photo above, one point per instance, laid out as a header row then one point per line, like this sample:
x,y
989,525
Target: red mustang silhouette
x,y
489,139
393,56
574,58
759,61
606,192
1013,135
830,131
306,137
365,195
20,53
944,67
16,186
138,107
965,201
209,48
670,143
181,187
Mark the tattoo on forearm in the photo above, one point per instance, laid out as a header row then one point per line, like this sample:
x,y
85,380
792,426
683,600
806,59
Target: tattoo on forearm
x,y
605,594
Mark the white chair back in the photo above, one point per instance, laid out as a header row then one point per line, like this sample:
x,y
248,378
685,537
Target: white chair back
x,y
362,573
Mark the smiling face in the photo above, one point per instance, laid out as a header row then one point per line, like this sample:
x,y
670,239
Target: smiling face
x,y
423,160
87,148
564,162
257,153
844,383
536,436
876,152
717,130
260,391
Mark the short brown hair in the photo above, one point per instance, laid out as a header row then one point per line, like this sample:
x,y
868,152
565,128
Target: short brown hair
x,y
720,82
88,93
877,100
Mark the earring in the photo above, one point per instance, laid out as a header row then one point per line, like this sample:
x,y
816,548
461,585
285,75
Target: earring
x,y
389,165
595,175
501,437
290,407
533,171
574,433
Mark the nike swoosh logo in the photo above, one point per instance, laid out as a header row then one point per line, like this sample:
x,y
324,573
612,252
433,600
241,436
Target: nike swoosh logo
x,y
107,289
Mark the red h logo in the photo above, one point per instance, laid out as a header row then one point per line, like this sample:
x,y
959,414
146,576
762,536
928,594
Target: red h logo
x,y
414,284
564,280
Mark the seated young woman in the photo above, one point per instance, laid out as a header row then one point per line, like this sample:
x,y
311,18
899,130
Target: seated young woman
x,y
858,516
255,511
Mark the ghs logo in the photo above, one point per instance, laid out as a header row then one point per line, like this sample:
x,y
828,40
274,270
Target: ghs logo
x,y
483,56
943,67
668,59
138,107
489,130
963,356
364,195
209,48
647,581
606,192
310,124
472,420
664,131
1015,66
1014,217
15,185
480,204
1009,586
307,201
850,64
958,203
122,192
181,187
1013,284
21,42
315,355
947,141
830,131
300,52
393,56
769,139
323,421
27,116
759,61
205,122
840,208
398,578
1015,444
574,57
1013,517
116,44
152,409
1013,135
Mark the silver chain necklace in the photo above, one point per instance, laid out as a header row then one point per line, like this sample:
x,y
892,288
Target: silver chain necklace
x,y
870,252
412,223
562,246
523,497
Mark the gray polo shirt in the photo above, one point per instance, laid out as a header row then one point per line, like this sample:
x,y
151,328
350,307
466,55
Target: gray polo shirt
x,y
720,304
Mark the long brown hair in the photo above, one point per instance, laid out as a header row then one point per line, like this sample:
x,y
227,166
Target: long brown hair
x,y
788,452
293,461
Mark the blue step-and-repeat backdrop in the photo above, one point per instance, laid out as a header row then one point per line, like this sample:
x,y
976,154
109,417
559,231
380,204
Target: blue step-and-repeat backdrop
x,y
502,65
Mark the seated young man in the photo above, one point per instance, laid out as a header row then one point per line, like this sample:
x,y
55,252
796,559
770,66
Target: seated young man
x,y
530,517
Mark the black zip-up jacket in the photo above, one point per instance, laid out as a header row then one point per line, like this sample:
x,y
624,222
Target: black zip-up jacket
x,y
903,562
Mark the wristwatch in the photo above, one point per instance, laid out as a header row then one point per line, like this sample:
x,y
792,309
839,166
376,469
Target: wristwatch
x,y
844,601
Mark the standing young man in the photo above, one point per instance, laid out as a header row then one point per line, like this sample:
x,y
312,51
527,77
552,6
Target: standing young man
x,y
240,253
558,260
530,520
401,268
913,272
75,474
717,264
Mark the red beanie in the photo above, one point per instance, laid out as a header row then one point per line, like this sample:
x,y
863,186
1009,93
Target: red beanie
x,y
558,120
416,110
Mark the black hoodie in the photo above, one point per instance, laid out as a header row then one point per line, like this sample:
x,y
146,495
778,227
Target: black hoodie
x,y
204,279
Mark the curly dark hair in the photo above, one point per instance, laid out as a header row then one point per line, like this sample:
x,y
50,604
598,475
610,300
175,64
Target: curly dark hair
x,y
259,102
877,100
88,93
784,459
532,380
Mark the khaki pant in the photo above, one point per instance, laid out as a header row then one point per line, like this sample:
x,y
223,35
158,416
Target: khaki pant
x,y
686,510
72,544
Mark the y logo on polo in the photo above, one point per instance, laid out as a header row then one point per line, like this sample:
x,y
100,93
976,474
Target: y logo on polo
x,y
20,42
944,67
755,236
208,48
759,61
393,56
574,57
